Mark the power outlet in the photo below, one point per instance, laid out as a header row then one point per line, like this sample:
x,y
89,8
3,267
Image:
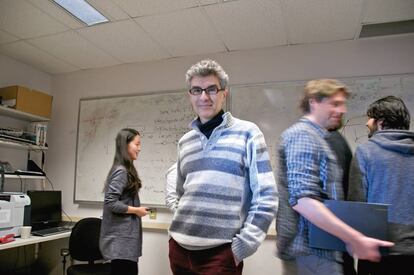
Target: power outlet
x,y
153,214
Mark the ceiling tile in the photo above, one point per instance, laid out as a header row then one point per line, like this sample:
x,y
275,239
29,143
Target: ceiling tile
x,y
124,40
147,7
40,33
23,20
208,2
74,49
379,11
57,13
6,37
35,57
183,33
310,21
110,9
248,24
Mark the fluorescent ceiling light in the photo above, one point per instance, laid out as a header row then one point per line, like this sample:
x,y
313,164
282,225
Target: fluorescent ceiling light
x,y
83,11
387,28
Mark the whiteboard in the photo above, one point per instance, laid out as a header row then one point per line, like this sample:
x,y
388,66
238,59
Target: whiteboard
x,y
275,106
161,119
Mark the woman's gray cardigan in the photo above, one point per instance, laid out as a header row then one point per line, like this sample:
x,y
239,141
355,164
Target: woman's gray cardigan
x,y
121,233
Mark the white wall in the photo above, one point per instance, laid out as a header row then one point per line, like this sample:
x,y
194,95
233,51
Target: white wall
x,y
13,72
340,59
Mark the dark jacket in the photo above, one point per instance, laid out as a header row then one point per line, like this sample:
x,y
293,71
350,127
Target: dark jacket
x,y
383,172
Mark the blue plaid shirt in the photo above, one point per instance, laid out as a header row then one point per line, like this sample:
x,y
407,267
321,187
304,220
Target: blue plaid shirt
x,y
307,168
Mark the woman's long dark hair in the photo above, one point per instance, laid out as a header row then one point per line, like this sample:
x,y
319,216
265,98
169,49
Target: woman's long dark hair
x,y
122,158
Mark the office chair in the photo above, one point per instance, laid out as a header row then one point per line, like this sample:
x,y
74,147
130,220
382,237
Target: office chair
x,y
84,246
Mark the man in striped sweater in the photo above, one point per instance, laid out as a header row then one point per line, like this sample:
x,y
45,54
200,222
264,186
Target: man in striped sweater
x,y
226,190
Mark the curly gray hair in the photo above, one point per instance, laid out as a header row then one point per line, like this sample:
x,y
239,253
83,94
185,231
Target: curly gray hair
x,y
205,68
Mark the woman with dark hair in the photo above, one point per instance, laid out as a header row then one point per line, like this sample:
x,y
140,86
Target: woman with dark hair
x,y
121,231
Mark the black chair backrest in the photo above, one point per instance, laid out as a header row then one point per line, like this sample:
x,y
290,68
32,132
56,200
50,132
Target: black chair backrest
x,y
84,240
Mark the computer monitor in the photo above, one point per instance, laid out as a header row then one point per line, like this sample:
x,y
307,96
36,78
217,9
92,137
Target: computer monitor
x,y
46,208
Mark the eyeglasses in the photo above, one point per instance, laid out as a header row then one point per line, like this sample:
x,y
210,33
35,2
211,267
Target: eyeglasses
x,y
210,90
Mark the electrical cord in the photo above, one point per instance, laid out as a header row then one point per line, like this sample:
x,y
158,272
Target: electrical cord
x,y
51,183
53,188
64,252
21,183
2,170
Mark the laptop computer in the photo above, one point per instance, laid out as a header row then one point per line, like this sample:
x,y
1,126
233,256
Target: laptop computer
x,y
46,213
370,219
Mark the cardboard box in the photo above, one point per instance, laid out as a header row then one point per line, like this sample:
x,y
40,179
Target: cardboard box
x,y
28,100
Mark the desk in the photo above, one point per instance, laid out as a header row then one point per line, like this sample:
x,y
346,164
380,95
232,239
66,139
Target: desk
x,y
33,240
34,255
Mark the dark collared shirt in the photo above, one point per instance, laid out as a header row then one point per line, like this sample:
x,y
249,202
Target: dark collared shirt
x,y
208,127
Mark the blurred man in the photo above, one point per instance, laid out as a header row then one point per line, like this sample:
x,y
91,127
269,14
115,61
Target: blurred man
x,y
308,174
171,198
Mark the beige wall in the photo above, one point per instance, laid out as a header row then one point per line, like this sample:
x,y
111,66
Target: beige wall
x,y
340,59
13,72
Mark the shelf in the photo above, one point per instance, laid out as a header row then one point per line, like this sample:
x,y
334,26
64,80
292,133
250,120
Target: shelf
x,y
6,111
20,145
24,177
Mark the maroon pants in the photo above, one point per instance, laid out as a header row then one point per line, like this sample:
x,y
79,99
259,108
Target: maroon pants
x,y
213,261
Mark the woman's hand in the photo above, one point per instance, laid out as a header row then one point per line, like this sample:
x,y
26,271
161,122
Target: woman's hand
x,y
138,211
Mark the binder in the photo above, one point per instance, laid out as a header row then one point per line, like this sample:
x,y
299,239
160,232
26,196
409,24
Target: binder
x,y
371,219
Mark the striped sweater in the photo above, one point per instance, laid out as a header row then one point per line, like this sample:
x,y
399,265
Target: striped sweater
x,y
226,188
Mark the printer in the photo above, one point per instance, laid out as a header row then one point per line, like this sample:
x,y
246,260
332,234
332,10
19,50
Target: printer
x,y
14,212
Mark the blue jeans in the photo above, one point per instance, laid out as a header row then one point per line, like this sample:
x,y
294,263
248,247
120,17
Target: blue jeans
x,y
314,265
